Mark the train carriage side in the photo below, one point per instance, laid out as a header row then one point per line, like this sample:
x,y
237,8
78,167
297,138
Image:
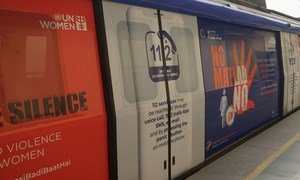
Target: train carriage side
x,y
211,73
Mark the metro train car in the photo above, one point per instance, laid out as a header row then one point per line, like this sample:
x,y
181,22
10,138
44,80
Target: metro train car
x,y
137,89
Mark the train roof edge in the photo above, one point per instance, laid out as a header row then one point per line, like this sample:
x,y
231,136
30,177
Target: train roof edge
x,y
220,12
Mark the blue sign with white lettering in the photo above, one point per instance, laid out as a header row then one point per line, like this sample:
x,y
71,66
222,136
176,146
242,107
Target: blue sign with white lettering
x,y
241,77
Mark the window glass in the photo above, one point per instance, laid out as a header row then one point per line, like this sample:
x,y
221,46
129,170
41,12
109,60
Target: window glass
x,y
42,75
35,56
137,83
187,81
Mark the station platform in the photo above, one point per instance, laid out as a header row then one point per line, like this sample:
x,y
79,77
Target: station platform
x,y
273,154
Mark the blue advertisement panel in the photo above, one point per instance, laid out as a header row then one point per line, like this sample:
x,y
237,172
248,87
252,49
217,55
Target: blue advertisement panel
x,y
241,78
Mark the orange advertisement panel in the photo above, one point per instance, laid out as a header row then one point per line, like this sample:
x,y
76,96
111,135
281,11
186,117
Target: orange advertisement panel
x,y
52,114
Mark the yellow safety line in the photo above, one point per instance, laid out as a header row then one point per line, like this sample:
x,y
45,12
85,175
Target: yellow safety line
x,y
273,157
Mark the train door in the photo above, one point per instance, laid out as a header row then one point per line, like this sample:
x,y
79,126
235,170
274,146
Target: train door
x,y
186,91
136,66
290,55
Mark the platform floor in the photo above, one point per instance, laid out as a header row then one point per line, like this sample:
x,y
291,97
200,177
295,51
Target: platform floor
x,y
273,154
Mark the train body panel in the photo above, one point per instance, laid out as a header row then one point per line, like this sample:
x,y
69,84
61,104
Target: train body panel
x,y
140,92
219,66
291,68
242,81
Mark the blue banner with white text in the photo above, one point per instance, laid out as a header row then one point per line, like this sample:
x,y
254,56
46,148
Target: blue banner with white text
x,y
241,78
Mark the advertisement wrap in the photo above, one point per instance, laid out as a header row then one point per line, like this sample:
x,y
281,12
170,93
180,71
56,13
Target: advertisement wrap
x,y
291,69
138,80
241,79
52,116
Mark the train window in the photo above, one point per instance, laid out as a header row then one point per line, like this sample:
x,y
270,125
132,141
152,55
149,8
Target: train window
x,y
137,84
30,67
187,81
35,56
294,52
